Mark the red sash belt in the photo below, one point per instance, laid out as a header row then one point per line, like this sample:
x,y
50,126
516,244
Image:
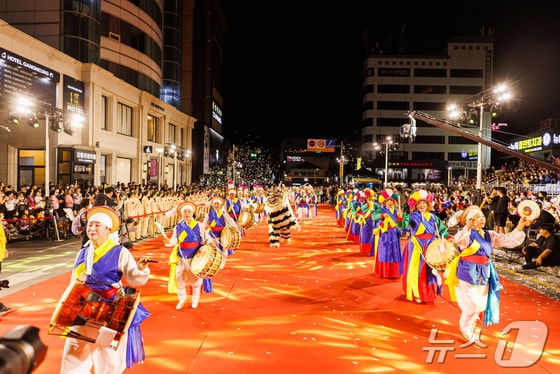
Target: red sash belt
x,y
217,228
424,236
480,260
188,245
107,294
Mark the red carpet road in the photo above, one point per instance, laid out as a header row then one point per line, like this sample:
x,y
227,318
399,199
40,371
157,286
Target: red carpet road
x,y
311,306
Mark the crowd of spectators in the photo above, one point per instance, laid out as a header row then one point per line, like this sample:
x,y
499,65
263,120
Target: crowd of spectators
x,y
22,209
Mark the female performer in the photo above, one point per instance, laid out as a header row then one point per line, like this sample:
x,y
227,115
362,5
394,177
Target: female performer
x,y
420,283
188,236
101,264
471,276
387,235
216,220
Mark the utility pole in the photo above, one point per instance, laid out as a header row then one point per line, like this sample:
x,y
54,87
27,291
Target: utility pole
x,y
341,171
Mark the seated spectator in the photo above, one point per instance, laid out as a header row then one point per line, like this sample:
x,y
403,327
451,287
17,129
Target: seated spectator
x,y
24,227
545,250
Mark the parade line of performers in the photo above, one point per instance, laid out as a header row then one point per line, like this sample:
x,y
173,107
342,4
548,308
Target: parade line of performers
x,y
207,227
430,256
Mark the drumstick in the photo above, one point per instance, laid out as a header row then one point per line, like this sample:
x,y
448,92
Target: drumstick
x,y
147,260
160,228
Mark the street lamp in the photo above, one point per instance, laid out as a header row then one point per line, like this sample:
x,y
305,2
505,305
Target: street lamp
x,y
160,150
173,148
493,98
341,161
388,142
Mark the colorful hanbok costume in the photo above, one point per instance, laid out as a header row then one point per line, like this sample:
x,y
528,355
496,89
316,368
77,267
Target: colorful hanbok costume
x,y
386,236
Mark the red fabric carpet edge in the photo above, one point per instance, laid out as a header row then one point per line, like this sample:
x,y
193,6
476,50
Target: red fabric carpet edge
x,y
312,306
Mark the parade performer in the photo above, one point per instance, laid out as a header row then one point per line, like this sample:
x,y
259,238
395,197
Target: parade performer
x,y
354,219
216,220
420,282
100,265
471,276
387,235
233,204
188,236
366,231
340,205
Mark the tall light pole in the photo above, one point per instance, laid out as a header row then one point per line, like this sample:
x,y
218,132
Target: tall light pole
x,y
174,148
479,156
47,150
388,141
341,171
493,97
160,150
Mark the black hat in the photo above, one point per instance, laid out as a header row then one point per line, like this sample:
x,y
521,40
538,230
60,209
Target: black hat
x,y
547,226
545,217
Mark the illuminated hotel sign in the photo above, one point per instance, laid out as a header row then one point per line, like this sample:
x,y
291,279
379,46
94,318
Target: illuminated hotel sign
x,y
19,76
74,101
216,112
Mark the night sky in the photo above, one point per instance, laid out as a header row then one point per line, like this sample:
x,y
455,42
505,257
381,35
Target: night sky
x,y
294,70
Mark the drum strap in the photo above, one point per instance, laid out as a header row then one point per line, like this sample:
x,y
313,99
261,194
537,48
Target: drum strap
x,y
217,228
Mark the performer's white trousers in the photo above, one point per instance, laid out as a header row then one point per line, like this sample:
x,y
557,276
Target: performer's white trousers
x,y
472,300
186,278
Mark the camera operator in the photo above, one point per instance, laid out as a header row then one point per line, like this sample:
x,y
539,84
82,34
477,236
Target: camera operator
x,y
21,350
3,254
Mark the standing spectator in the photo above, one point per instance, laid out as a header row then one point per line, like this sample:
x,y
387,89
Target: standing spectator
x,y
501,210
77,198
106,198
491,202
3,255
80,221
188,236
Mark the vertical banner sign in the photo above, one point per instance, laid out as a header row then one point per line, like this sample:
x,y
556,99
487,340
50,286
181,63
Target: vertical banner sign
x,y
153,168
74,100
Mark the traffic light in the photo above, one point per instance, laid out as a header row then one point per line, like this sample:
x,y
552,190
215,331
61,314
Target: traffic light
x,y
253,155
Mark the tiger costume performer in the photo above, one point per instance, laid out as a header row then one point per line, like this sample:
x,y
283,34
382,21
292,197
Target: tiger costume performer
x,y
280,217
